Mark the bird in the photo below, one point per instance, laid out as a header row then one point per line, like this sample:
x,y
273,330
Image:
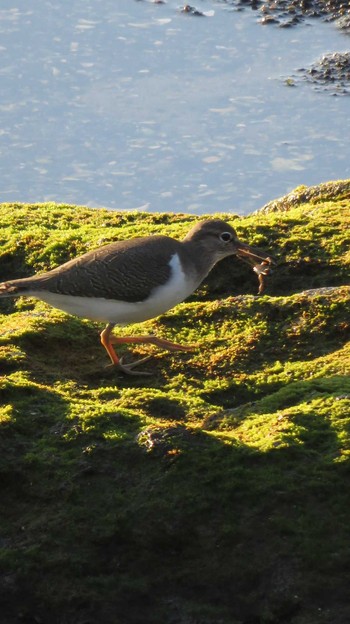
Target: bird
x,y
134,280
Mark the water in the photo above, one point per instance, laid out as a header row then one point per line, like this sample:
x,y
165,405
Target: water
x,y
128,104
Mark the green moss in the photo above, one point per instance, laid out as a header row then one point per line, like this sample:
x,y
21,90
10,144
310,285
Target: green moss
x,y
215,490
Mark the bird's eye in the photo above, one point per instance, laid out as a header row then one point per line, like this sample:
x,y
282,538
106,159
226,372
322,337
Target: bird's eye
x,y
226,237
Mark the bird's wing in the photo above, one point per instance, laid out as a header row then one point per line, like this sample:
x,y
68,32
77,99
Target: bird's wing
x,y
124,270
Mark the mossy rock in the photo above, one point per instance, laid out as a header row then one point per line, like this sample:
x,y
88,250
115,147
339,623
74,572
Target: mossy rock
x,y
216,490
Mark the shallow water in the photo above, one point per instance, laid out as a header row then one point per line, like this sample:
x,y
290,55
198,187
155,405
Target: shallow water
x,y
134,105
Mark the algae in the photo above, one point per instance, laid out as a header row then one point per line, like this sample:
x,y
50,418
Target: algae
x,y
215,491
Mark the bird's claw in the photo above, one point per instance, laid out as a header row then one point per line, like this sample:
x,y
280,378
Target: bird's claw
x,y
127,368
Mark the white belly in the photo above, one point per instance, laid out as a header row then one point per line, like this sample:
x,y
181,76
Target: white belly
x,y
161,299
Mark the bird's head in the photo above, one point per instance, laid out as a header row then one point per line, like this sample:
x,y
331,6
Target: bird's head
x,y
219,239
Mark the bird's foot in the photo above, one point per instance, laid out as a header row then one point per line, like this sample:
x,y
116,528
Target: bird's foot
x,y
108,340
128,368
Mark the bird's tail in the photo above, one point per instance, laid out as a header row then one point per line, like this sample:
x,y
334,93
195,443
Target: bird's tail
x,y
13,288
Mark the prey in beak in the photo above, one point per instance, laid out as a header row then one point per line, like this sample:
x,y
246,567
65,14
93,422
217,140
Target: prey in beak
x,y
261,262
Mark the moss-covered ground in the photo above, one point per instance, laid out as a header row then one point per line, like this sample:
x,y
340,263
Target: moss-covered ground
x,y
217,490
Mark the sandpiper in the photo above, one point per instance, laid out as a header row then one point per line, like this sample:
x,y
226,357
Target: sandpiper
x,y
134,280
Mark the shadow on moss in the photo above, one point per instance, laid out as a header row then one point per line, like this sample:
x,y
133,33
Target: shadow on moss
x,y
174,525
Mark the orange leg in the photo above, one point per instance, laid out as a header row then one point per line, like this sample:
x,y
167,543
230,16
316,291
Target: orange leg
x,y
107,339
